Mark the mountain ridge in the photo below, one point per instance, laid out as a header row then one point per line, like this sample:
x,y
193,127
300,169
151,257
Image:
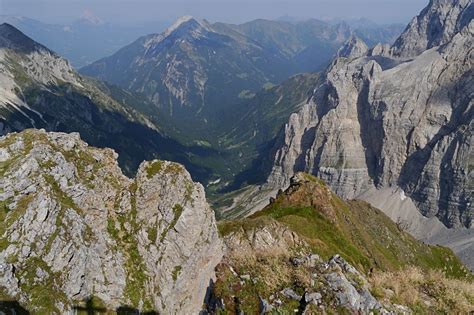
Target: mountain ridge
x,y
434,26
41,89
12,38
196,89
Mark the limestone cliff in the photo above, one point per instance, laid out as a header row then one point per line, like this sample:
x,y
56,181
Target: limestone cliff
x,y
74,227
394,117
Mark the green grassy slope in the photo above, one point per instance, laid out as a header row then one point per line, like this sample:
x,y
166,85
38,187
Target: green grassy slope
x,y
360,233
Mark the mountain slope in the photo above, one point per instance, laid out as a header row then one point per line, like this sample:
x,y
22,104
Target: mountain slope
x,y
40,89
309,250
195,71
203,79
250,136
189,70
382,120
74,230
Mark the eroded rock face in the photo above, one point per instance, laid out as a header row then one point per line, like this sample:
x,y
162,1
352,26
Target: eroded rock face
x,y
434,26
74,227
383,120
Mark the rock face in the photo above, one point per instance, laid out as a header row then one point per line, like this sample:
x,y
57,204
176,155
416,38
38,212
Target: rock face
x,y
387,121
434,26
353,48
74,227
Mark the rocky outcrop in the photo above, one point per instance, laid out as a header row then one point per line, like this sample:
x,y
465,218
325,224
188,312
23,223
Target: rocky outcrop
x,y
387,121
332,284
309,252
353,48
74,227
434,26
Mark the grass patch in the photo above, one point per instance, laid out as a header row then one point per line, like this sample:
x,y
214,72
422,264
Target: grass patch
x,y
176,272
42,293
413,287
322,235
177,210
128,243
154,168
152,234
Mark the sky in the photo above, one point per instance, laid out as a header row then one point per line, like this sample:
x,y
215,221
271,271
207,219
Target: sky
x,y
233,11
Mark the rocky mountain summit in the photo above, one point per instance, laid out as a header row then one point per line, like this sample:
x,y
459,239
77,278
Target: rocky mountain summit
x,y
434,26
75,228
397,117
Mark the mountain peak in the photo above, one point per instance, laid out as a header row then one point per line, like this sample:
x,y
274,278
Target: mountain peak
x,y
186,19
89,18
354,47
434,26
12,38
6,27
185,26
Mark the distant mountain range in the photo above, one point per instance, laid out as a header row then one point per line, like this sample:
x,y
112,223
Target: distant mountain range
x,y
195,70
85,40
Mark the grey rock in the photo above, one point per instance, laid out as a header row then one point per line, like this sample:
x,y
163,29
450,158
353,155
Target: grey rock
x,y
353,48
348,296
314,297
311,260
289,293
245,277
265,307
4,155
103,234
434,26
399,119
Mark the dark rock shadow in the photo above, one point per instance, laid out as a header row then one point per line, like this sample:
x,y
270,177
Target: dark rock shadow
x,y
12,308
89,308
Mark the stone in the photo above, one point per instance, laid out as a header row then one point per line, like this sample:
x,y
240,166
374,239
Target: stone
x,y
289,293
245,277
393,118
265,307
314,297
310,261
348,296
103,234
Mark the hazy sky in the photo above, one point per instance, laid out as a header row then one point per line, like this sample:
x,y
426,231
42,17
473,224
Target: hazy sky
x,y
132,11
